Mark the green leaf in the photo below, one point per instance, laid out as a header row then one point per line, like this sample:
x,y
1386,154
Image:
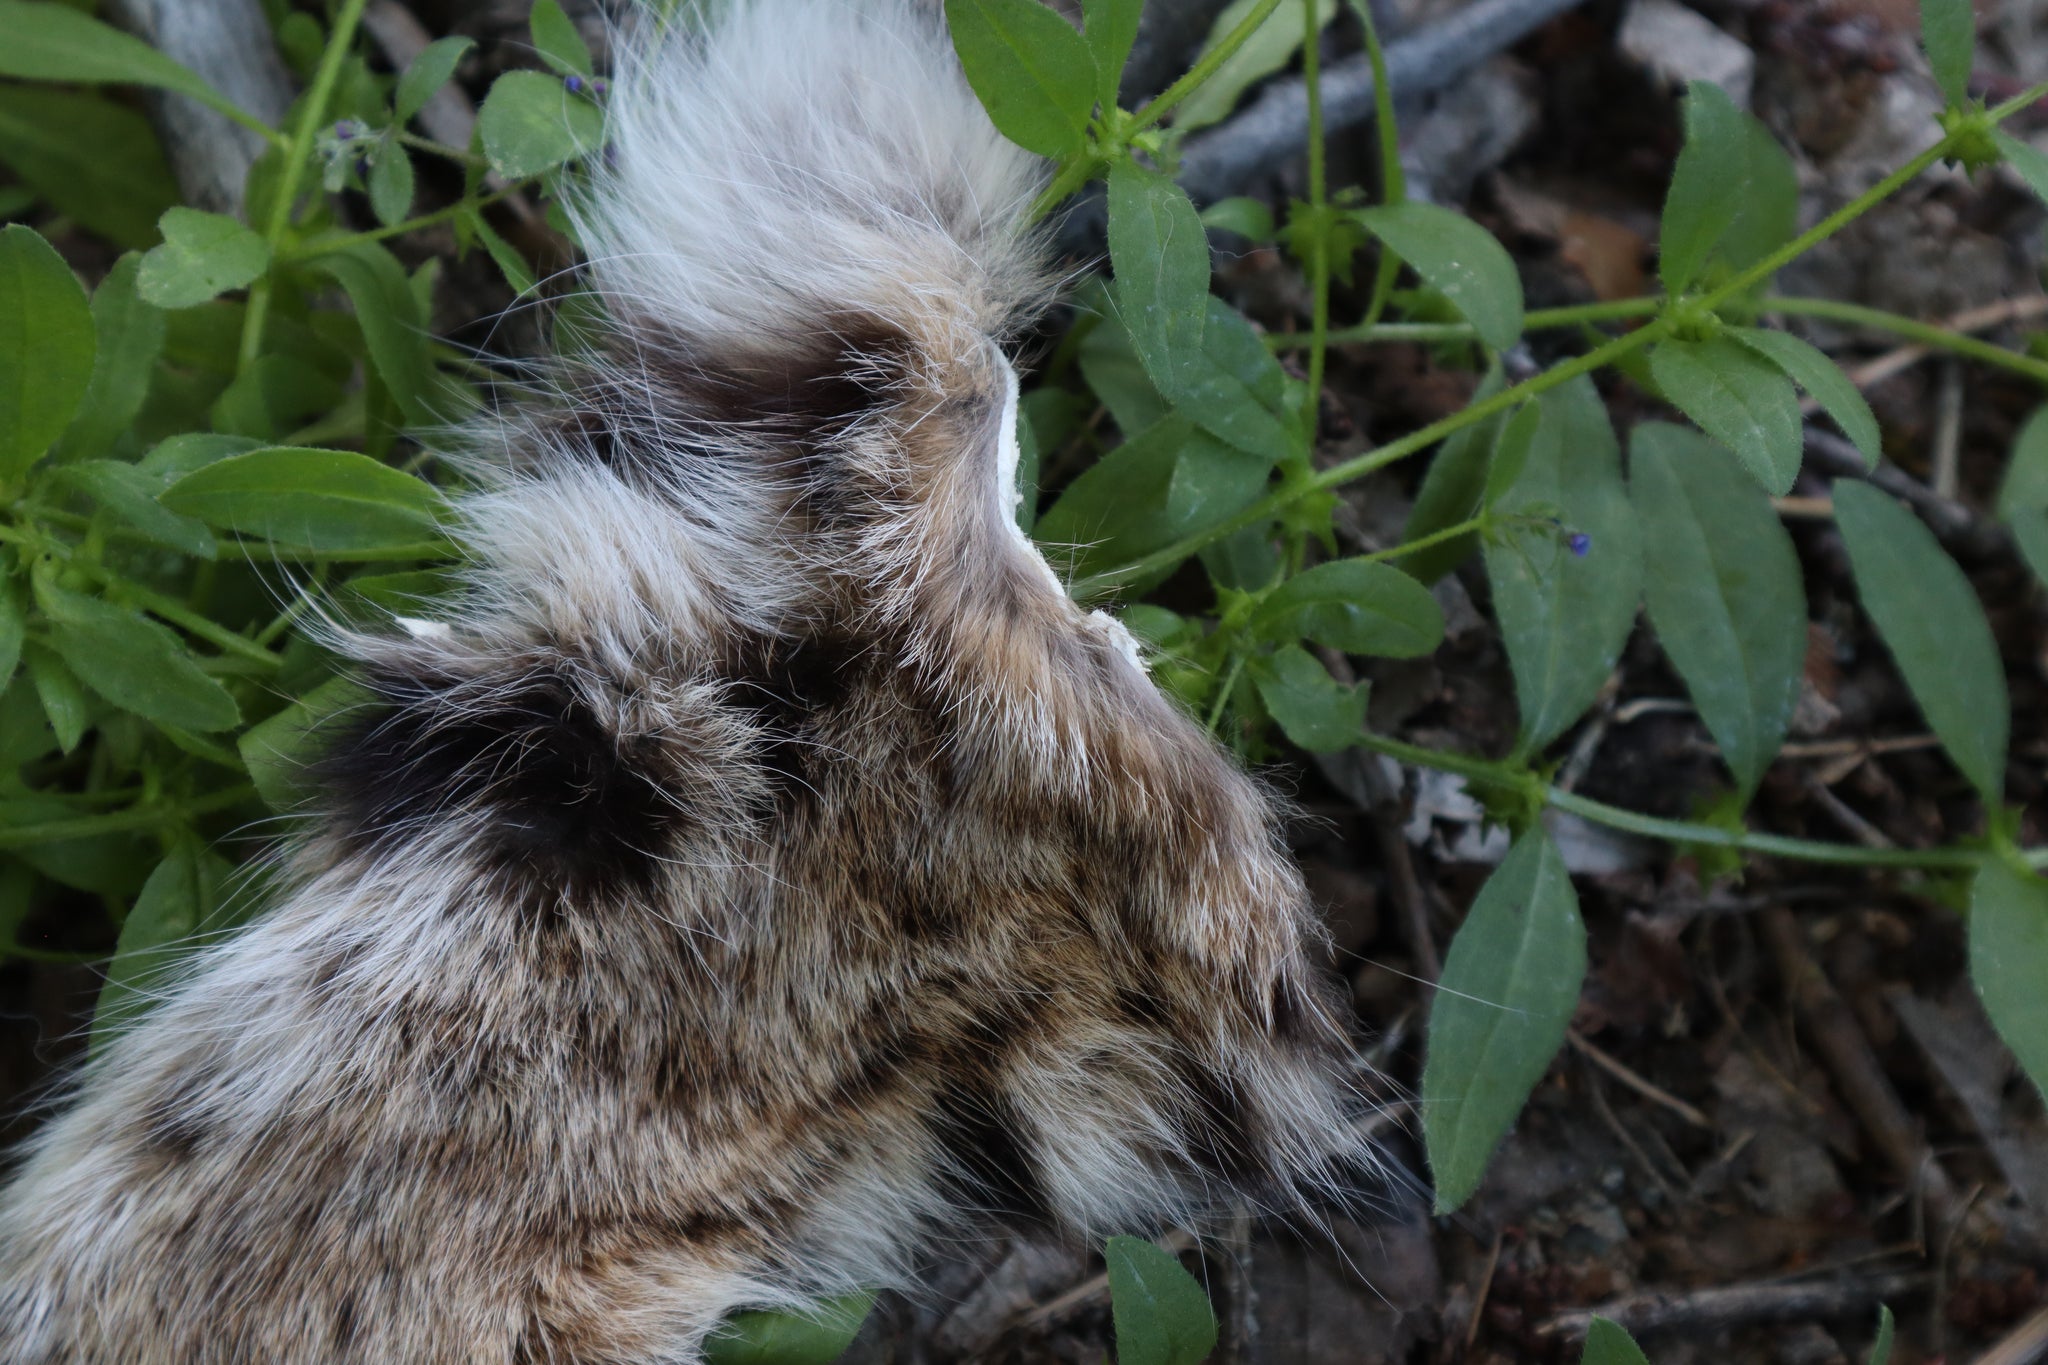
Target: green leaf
x,y
1510,982
511,264
1608,1344
2009,960
1115,375
136,664
1249,218
1948,30
280,751
1740,400
48,42
1112,26
176,456
276,394
1167,482
1033,73
1162,1316
1232,386
391,184
2025,486
93,159
65,704
129,336
130,493
532,123
13,625
1824,381
1928,615
2030,531
2029,164
1723,590
1271,46
202,257
1458,259
556,37
1161,257
175,904
1451,490
427,74
1564,616
1354,605
1768,216
1708,185
317,502
1881,1349
1315,710
817,1338
46,348
393,329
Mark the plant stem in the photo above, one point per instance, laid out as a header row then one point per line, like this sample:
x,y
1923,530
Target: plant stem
x,y
1274,503
1157,108
1409,547
122,821
1393,180
1319,246
1927,334
327,246
297,152
1223,693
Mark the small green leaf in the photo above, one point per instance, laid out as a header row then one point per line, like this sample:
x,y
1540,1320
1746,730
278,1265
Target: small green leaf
x,y
1271,46
130,493
93,159
1723,589
1111,28
318,502
1881,1349
65,704
817,1338
1314,709
2030,532
1458,259
1354,605
46,348
202,257
1708,185
1824,381
391,184
427,74
393,328
531,122
1162,1316
1768,216
1948,30
1564,615
511,264
174,905
47,42
1450,492
129,336
13,626
557,39
1249,218
2009,960
2026,476
1739,399
176,456
1114,374
1608,1344
1033,73
1232,385
2029,164
1510,982
279,752
1929,616
1161,257
136,664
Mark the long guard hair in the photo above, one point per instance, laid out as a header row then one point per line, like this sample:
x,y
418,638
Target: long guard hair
x,y
764,872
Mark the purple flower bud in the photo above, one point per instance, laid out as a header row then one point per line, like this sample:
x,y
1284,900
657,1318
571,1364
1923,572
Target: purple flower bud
x,y
363,167
573,84
1580,543
344,129
600,86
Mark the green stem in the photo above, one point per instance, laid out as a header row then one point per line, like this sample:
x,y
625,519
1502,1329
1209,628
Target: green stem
x,y
300,149
123,821
1160,104
1925,333
1504,777
1319,248
1409,547
442,149
327,246
1223,693
1393,180
1537,320
1273,504
1071,177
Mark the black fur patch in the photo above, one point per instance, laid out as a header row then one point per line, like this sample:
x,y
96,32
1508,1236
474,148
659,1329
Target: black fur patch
x,y
989,1166
1219,1128
790,687
562,800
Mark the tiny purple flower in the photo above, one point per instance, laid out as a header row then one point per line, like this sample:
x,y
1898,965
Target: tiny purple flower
x,y
345,129
363,167
600,86
1580,543
573,84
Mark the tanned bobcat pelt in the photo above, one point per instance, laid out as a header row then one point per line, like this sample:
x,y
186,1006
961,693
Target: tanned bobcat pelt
x,y
766,873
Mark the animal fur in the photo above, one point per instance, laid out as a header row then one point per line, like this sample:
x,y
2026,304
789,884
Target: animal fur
x,y
766,872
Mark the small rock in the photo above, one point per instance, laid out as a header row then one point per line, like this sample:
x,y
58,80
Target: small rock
x,y
1679,45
